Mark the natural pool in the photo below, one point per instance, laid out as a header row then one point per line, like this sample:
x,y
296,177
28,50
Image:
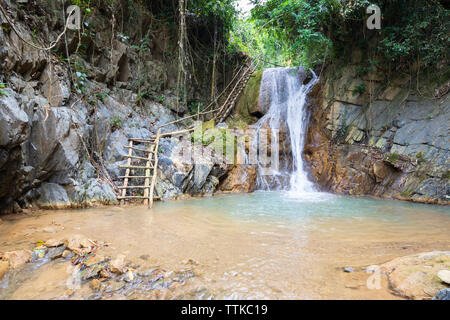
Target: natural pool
x,y
265,245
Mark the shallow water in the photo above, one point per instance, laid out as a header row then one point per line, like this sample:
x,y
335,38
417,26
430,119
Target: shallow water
x,y
266,245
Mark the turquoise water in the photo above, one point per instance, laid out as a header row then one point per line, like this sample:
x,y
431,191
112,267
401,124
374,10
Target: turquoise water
x,y
283,207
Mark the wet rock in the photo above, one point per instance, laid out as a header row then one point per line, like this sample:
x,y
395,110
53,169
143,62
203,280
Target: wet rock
x,y
130,275
118,264
98,258
95,284
52,196
242,178
56,252
444,294
4,267
91,272
412,276
444,275
144,257
53,243
79,244
17,259
182,276
67,254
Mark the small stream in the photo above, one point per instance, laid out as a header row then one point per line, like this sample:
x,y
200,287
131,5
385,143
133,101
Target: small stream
x,y
265,245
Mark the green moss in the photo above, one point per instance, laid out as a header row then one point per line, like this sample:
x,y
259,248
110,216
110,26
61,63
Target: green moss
x,y
393,158
249,99
407,193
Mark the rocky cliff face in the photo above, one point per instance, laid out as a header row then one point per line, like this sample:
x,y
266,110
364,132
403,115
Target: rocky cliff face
x,y
62,129
383,141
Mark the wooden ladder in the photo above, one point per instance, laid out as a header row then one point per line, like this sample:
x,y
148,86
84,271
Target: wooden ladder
x,y
148,172
229,103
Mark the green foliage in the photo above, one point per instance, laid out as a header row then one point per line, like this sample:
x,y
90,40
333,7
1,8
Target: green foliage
x,y
313,29
359,89
116,122
393,158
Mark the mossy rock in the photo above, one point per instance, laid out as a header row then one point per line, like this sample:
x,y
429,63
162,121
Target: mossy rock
x,y
247,108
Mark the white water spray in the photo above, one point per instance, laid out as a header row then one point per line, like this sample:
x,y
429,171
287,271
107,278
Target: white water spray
x,y
283,97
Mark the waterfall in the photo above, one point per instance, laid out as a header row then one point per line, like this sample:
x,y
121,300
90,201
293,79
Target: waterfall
x,y
283,98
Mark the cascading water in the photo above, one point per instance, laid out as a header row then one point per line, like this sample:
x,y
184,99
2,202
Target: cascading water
x,y
283,97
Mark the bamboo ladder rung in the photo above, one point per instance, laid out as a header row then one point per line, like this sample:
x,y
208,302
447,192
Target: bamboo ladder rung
x,y
138,149
132,177
138,158
133,187
136,197
136,167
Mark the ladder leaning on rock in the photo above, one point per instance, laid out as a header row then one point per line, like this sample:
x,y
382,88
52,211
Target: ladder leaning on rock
x,y
148,171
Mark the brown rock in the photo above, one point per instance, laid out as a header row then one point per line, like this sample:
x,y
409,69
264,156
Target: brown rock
x,y
118,264
380,171
17,258
53,243
66,253
95,284
4,268
79,244
98,258
412,276
242,178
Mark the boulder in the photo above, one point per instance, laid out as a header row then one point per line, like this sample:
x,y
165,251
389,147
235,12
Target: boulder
x,y
415,276
52,196
17,259
444,275
118,264
13,120
78,244
53,243
242,178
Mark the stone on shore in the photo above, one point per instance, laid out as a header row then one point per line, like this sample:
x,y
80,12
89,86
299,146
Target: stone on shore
x,y
444,275
17,259
118,264
416,276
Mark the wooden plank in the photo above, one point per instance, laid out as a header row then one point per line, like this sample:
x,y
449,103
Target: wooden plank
x,y
151,140
134,197
137,149
155,169
139,158
147,176
127,171
133,187
135,167
132,177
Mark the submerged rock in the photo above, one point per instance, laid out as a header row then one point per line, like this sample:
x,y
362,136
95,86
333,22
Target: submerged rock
x,y
56,252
